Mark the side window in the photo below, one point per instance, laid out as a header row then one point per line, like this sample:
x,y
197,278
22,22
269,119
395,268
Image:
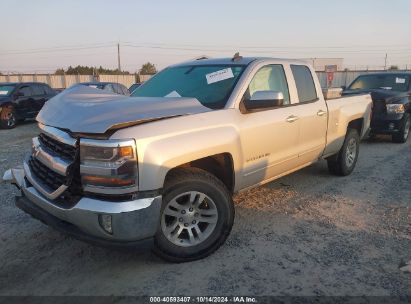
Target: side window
x,y
304,82
109,88
37,89
48,90
25,91
117,89
125,90
270,78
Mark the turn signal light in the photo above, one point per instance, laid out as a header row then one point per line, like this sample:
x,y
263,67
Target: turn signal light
x,y
107,181
125,151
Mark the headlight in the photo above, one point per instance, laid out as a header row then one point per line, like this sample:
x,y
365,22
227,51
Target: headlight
x,y
395,108
108,166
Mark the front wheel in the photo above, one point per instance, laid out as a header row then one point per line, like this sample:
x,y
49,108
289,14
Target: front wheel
x,y
344,162
196,216
402,135
8,118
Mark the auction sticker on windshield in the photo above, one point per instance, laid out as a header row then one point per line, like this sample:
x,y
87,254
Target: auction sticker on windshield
x,y
399,80
4,92
219,75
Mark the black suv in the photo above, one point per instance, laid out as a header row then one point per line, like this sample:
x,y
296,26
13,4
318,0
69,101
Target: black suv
x,y
19,101
391,96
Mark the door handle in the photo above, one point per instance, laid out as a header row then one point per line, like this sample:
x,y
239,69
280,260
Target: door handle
x,y
321,112
291,118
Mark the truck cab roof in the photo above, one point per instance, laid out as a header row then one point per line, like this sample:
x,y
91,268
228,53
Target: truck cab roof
x,y
244,61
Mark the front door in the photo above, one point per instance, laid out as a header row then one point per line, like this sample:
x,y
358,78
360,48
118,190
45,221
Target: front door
x,y
269,138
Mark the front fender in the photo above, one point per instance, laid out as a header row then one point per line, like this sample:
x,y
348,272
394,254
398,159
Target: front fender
x,y
160,156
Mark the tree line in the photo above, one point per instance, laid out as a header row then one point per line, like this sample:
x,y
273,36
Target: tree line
x,y
146,69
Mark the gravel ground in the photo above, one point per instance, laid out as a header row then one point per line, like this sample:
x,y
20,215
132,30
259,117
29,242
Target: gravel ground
x,y
309,233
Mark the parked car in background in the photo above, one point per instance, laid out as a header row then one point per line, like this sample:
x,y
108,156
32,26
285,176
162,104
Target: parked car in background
x,y
58,90
19,101
159,168
114,87
134,86
390,92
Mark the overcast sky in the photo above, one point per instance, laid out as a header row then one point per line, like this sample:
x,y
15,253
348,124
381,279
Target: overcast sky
x,y
43,35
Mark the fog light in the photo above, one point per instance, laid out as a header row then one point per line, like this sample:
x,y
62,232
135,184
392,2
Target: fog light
x,y
391,126
105,222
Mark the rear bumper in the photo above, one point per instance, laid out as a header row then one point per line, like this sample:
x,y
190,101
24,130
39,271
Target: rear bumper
x,y
131,221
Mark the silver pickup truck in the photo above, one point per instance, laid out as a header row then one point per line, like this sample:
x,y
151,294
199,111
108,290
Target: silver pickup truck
x,y
159,168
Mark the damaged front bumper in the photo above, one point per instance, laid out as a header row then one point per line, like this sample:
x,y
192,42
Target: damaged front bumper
x,y
125,224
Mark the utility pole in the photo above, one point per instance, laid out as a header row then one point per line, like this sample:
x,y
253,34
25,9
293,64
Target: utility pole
x,y
118,57
385,65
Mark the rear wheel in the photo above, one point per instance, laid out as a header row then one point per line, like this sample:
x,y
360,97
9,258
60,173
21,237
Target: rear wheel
x,y
196,216
8,118
402,135
344,162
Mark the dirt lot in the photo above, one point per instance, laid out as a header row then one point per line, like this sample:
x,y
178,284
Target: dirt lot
x,y
306,234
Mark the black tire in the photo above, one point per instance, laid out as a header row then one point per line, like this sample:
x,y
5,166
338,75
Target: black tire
x,y
339,164
402,136
8,118
186,180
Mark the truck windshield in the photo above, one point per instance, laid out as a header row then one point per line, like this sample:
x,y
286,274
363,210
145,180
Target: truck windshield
x,y
211,85
6,90
394,82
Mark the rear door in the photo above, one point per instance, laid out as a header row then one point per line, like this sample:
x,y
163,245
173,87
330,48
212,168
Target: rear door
x,y
312,115
269,138
39,96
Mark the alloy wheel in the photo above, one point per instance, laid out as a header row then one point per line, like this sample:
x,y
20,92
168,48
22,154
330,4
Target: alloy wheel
x,y
189,219
351,152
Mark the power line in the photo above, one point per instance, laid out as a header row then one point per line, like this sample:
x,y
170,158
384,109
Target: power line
x,y
270,47
55,50
64,46
259,51
220,48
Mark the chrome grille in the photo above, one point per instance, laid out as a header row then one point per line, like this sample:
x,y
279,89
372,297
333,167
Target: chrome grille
x,y
53,167
47,176
63,150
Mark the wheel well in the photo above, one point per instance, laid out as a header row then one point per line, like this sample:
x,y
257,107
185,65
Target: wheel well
x,y
356,124
220,165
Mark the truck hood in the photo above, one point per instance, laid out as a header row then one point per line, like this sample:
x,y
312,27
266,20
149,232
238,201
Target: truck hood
x,y
378,94
83,109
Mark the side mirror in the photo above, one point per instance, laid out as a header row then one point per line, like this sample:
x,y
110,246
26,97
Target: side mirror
x,y
19,94
344,87
264,100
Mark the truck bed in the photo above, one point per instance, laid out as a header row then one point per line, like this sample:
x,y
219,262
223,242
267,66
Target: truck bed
x,y
341,111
